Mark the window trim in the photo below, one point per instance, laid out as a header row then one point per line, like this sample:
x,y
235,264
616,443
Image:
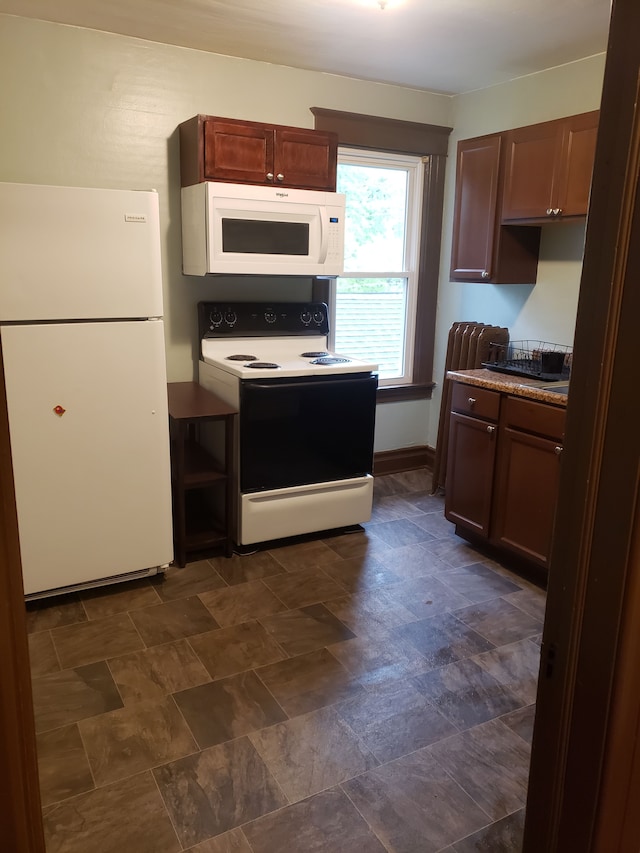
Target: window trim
x,y
430,142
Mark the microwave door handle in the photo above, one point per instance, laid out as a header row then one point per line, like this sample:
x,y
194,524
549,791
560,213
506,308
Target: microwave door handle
x,y
324,234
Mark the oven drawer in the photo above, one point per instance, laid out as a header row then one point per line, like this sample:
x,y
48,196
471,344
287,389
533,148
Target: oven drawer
x,y
305,509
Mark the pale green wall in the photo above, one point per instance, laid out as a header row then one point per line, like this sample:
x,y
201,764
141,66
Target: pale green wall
x,y
86,108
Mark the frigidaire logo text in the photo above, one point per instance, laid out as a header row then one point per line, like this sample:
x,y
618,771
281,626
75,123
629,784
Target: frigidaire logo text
x,y
282,195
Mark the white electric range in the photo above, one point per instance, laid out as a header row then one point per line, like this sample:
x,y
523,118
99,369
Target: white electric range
x,y
306,419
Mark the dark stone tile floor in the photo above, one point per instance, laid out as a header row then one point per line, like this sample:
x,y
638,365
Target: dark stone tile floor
x,y
369,691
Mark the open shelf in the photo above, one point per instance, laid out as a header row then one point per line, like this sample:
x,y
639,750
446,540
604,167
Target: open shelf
x,y
200,533
195,471
200,468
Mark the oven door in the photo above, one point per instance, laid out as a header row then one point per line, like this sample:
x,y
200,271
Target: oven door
x,y
306,430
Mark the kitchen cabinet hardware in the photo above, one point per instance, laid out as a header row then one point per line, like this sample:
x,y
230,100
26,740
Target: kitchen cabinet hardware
x,y
234,151
472,402
195,474
548,169
502,477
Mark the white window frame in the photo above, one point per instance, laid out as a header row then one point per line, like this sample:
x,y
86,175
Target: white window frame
x,y
414,166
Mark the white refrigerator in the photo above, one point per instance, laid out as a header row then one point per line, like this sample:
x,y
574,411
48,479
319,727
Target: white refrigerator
x,y
83,349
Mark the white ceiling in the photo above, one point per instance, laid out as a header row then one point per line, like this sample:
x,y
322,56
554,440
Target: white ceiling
x,y
448,46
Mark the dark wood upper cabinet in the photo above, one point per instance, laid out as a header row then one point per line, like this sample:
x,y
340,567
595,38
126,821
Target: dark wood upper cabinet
x,y
574,188
306,158
482,249
237,152
548,169
221,149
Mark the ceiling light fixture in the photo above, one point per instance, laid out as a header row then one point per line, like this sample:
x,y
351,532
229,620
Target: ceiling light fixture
x,y
386,4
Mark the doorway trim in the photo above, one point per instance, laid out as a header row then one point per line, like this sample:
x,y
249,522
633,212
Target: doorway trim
x,y
593,573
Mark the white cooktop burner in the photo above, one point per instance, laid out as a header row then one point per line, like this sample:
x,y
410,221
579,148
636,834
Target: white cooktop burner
x,y
295,355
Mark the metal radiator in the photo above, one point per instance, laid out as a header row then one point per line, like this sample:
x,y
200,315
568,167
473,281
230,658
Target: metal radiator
x,y
468,345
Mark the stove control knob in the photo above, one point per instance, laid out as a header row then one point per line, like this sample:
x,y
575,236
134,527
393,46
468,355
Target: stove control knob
x,y
270,316
230,318
215,318
305,317
318,316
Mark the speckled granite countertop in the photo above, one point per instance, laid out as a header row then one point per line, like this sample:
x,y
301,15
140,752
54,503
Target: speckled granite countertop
x,y
520,386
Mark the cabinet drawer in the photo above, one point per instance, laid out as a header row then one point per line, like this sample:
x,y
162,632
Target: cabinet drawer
x,y
530,416
474,401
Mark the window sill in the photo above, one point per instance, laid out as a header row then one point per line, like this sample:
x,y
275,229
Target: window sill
x,y
399,393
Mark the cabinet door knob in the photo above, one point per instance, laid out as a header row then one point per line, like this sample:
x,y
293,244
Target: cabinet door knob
x,y
549,211
557,450
472,402
269,176
280,177
557,211
491,430
485,274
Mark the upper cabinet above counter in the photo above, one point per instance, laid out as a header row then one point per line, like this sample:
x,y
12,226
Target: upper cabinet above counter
x,y
548,169
248,152
506,184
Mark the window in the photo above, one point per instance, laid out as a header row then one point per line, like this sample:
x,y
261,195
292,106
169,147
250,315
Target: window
x,y
428,144
373,303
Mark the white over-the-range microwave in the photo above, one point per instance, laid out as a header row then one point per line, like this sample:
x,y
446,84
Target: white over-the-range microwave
x,y
244,229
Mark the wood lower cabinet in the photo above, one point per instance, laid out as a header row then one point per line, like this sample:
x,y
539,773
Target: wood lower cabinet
x,y
472,453
483,250
471,456
503,473
527,474
548,169
221,149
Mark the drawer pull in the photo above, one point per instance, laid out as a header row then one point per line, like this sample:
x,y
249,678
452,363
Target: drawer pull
x,y
557,450
471,401
491,430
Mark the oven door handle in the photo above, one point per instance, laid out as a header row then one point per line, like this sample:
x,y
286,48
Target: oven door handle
x,y
342,383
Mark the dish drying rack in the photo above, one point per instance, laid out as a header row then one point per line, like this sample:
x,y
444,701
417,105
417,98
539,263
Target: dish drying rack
x,y
536,359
